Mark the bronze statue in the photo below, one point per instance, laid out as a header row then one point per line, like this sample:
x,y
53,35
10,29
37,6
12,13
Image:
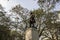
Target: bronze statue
x,y
32,20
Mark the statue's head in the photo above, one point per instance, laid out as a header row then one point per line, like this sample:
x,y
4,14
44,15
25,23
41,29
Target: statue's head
x,y
31,13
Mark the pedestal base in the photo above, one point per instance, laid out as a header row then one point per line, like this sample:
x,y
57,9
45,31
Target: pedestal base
x,y
31,34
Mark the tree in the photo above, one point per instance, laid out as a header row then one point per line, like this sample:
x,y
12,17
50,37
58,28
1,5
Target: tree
x,y
4,33
4,23
46,22
21,19
16,35
46,18
47,4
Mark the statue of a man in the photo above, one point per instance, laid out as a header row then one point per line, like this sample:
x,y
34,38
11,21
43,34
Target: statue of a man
x,y
32,20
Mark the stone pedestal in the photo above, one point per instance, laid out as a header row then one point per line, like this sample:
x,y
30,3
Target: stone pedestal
x,y
31,34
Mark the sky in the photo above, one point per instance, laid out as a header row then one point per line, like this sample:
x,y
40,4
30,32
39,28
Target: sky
x,y
29,4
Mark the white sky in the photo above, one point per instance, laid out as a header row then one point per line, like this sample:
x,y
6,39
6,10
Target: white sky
x,y
29,4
